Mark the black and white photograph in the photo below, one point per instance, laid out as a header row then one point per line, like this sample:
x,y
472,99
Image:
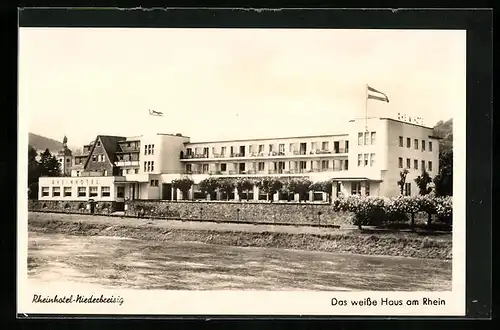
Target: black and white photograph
x,y
223,162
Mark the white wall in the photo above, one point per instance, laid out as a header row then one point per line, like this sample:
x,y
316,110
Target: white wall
x,y
396,129
74,183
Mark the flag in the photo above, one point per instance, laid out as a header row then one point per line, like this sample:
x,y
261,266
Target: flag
x,y
155,113
376,95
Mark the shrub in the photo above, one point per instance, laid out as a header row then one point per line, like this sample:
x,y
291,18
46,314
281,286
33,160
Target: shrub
x,y
444,209
184,185
270,186
209,185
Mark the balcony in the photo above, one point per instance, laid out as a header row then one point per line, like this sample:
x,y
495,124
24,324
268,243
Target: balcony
x,y
127,163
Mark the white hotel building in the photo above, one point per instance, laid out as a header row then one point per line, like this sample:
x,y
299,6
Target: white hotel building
x,y
366,159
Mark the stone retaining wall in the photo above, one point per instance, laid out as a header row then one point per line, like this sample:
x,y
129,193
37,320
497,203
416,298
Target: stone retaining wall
x,y
279,213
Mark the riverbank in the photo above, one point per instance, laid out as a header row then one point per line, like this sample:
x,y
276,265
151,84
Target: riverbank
x,y
367,242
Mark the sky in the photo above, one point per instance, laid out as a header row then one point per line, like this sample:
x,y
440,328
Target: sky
x,y
222,84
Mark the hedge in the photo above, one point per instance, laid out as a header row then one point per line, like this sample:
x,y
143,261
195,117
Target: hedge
x,y
376,211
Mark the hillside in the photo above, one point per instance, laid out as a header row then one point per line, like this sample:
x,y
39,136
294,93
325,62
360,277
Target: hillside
x,y
444,129
41,143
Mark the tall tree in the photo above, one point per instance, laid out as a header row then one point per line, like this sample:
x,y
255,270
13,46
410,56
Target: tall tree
x,y
33,173
444,180
208,186
270,186
49,165
402,180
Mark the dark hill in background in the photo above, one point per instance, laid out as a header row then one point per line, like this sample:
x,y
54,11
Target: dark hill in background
x,y
41,143
444,129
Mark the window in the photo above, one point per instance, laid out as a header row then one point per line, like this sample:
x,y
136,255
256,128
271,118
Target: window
x,y
261,166
360,159
408,142
423,145
94,158
303,165
400,162
400,141
77,173
82,191
67,160
367,188
152,166
423,165
145,166
360,139
154,183
189,151
415,164
270,148
92,191
146,149
120,191
336,146
136,170
366,138
205,168
188,168
67,191
222,150
261,148
372,159
408,162
324,164
290,148
56,191
282,148
430,166
408,189
346,146
105,192
127,171
153,149
356,188
341,162
346,164
366,159
324,145
430,146
45,191
416,144
250,149
223,167
373,137
313,146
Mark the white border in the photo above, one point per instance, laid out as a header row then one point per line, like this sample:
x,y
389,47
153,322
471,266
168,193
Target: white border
x,y
246,302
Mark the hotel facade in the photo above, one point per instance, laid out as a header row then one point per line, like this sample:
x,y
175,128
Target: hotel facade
x,y
366,159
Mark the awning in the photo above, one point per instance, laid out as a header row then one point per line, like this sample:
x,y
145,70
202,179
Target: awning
x,y
355,179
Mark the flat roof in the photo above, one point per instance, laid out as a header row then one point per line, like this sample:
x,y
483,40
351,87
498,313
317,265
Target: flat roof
x,y
273,138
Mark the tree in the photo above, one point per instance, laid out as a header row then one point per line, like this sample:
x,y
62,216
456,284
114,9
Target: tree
x,y
244,185
270,186
49,166
299,186
423,182
209,186
402,181
324,186
33,173
443,181
184,185
226,186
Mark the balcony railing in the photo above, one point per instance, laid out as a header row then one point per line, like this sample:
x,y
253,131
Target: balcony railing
x,y
127,163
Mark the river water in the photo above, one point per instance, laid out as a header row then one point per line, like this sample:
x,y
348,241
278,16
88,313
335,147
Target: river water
x,y
113,262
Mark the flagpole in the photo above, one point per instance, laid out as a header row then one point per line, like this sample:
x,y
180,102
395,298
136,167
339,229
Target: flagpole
x,y
366,107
